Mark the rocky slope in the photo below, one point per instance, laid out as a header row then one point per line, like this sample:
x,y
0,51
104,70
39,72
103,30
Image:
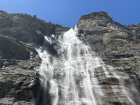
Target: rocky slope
x,y
19,35
116,44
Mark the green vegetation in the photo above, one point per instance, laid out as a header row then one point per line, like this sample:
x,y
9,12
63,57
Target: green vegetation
x,y
34,16
129,40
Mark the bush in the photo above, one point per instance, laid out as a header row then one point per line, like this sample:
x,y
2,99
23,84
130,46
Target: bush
x,y
34,16
129,40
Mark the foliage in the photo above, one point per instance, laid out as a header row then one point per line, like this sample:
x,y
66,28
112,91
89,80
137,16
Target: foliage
x,y
129,40
34,16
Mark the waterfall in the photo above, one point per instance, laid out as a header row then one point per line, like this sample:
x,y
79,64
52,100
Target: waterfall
x,y
76,75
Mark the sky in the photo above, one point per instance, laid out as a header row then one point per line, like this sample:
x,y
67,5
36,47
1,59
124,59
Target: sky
x,y
68,12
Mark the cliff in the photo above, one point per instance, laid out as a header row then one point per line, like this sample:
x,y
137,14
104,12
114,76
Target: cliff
x,y
19,35
116,44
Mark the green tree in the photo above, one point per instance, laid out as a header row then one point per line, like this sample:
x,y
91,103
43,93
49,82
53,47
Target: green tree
x,y
34,16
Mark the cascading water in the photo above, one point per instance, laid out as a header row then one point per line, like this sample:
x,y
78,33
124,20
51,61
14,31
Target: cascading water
x,y
72,77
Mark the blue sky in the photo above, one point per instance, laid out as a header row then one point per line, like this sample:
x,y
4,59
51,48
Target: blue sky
x,y
68,12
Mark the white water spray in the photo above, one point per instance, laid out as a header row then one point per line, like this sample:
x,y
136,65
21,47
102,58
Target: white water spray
x,y
70,78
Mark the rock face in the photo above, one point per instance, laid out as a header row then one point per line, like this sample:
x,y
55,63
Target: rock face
x,y
117,45
19,35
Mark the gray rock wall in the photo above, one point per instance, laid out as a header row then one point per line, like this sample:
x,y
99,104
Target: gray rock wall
x,y
116,44
19,35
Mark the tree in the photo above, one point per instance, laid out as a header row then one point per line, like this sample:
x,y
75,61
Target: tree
x,y
34,16
50,22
